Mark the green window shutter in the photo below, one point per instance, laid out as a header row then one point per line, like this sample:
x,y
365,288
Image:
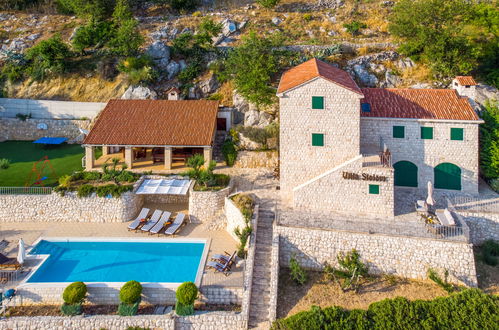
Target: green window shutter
x,y
374,189
457,134
317,140
317,102
399,132
427,133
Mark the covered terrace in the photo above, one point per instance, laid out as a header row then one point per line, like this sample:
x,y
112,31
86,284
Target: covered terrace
x,y
152,134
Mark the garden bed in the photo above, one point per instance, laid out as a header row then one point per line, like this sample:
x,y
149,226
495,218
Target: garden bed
x,y
319,291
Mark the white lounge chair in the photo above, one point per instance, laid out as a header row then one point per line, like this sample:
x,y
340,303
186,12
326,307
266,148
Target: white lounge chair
x,y
161,223
154,219
179,221
445,217
136,223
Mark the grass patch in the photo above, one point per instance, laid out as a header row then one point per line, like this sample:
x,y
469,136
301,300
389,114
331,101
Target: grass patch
x,y
65,159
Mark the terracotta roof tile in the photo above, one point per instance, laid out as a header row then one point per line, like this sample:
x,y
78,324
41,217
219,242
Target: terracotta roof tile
x,y
466,81
315,68
417,103
155,122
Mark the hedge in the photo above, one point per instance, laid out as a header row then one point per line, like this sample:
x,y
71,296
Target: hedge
x,y
468,309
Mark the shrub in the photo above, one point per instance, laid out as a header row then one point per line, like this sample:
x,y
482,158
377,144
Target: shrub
x,y
47,57
89,9
90,175
351,270
71,310
74,293
128,309
186,294
354,27
268,3
131,292
489,141
443,283
94,34
183,4
4,163
298,274
127,39
85,190
23,117
138,69
64,181
243,235
229,151
307,17
490,252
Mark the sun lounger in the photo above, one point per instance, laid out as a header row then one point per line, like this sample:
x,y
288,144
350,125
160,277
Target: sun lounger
x,y
161,223
136,223
445,217
179,221
154,219
222,267
222,258
8,263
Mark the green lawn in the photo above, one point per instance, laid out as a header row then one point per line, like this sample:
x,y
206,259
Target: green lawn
x,y
65,159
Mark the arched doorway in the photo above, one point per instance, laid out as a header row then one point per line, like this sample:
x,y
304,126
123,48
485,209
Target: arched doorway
x,y
406,174
447,176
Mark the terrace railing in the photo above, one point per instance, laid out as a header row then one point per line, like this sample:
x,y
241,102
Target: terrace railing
x,y
25,190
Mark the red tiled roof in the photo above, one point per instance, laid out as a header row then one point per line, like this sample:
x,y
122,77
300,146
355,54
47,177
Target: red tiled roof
x,y
315,68
155,122
417,103
466,81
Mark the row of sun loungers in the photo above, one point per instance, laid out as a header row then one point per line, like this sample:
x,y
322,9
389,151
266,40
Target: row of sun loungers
x,y
156,222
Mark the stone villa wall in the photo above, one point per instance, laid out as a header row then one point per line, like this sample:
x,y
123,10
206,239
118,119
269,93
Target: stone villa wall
x,y
483,226
234,218
15,129
339,122
68,208
332,192
206,205
403,256
257,159
426,154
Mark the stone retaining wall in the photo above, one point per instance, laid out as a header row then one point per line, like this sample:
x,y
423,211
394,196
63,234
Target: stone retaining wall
x,y
274,273
68,208
206,205
15,129
249,267
256,159
234,218
211,321
403,256
483,226
166,199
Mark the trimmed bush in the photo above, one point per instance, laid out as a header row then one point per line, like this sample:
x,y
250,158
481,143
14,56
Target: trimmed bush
x,y
229,151
85,190
71,310
130,292
187,293
4,163
74,293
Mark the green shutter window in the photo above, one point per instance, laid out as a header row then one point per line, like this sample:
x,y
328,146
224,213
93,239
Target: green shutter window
x,y
399,132
374,189
317,102
317,140
427,133
457,134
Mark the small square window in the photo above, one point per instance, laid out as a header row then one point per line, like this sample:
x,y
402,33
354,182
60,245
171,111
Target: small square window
x,y
366,107
317,140
427,133
457,134
317,102
374,189
399,132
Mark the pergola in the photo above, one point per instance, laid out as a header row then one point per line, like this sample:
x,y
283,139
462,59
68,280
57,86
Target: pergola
x,y
169,128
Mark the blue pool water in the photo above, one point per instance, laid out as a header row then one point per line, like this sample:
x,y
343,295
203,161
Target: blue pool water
x,y
117,261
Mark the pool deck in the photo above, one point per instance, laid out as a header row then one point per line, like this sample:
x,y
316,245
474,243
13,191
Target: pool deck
x,y
31,231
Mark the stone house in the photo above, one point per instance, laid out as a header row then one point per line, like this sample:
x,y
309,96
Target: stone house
x,y
345,148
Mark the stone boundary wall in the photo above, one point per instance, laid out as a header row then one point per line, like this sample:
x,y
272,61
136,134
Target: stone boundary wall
x,y
211,321
166,199
45,109
69,208
403,256
234,218
483,226
257,159
274,273
206,205
15,129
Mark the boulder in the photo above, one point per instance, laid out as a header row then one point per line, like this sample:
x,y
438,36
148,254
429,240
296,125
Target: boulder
x,y
421,85
251,118
209,85
139,93
367,79
405,63
391,79
485,93
276,20
239,102
158,50
194,93
183,65
173,68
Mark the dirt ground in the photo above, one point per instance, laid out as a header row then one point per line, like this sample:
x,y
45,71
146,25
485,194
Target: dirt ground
x,y
488,276
320,292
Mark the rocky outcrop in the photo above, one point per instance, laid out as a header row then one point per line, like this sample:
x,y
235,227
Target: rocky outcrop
x,y
139,93
160,54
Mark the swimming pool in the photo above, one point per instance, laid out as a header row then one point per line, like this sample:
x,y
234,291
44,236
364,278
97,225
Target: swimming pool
x,y
119,260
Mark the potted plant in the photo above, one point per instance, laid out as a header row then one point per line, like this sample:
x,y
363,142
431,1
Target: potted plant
x,y
186,294
130,297
73,297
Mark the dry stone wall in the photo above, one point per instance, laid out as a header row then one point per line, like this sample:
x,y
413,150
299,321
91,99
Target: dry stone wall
x,y
257,159
426,154
234,218
204,206
68,208
333,192
15,129
483,226
403,256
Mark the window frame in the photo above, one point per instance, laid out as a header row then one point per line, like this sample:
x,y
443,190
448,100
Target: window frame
x,y
460,134
317,145
323,103
373,189
424,135
394,127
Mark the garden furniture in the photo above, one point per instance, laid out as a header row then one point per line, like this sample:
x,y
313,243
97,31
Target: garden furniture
x,y
136,223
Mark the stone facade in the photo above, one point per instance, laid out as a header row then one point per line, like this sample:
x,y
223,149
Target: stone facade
x,y
403,256
339,121
426,154
211,321
15,129
234,218
249,267
257,159
274,274
483,226
204,206
69,208
337,190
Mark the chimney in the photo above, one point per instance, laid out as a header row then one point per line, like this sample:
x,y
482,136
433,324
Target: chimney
x,y
465,86
173,94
